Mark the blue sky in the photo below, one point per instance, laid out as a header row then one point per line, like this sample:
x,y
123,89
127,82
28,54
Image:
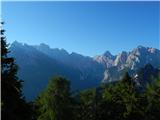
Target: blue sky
x,y
89,28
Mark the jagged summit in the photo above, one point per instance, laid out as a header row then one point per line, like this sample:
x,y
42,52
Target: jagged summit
x,y
128,61
108,54
16,43
83,71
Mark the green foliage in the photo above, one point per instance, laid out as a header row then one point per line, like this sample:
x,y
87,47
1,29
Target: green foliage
x,y
153,98
88,104
115,101
123,96
55,102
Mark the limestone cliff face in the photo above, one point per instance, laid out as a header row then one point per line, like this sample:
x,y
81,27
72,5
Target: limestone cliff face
x,y
117,65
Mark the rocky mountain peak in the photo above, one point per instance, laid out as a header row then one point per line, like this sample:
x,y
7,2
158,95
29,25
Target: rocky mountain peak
x,y
83,71
17,44
121,58
139,50
108,54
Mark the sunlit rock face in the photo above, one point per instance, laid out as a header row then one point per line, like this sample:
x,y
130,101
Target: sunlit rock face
x,y
116,66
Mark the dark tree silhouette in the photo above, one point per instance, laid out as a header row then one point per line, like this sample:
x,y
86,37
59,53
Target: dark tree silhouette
x,y
13,104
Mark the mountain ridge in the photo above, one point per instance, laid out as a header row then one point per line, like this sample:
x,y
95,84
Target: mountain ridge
x,y
83,71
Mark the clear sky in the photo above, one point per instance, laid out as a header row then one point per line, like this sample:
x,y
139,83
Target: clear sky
x,y
89,28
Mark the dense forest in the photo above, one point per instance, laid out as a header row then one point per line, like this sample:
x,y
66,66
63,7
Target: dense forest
x,y
113,101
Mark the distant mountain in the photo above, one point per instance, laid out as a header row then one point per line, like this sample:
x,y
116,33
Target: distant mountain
x,y
116,66
38,63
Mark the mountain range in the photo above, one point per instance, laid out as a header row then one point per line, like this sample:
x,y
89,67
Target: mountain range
x,y
38,63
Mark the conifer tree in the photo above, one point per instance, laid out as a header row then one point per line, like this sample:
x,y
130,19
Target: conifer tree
x,y
13,104
55,102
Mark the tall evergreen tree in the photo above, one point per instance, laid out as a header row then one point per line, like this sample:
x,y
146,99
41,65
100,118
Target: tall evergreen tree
x,y
122,100
129,99
55,102
13,104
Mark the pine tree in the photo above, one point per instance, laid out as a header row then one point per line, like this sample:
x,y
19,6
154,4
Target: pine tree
x,y
13,104
55,102
122,101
